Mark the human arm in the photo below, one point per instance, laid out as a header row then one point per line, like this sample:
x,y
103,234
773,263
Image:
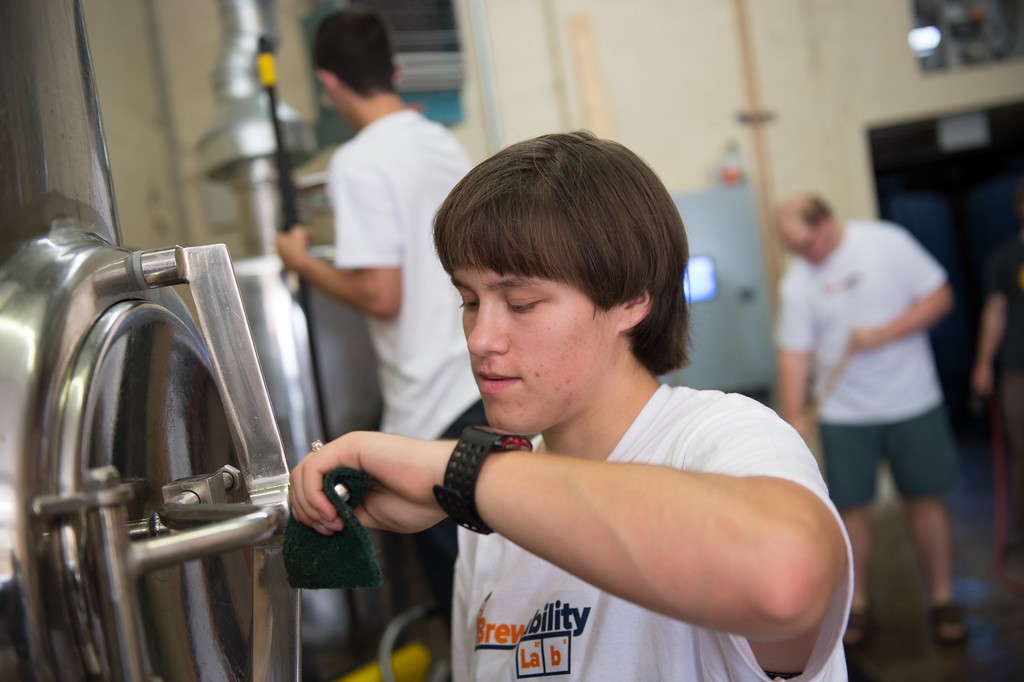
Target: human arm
x,y
755,556
990,337
793,373
796,337
374,291
922,314
758,556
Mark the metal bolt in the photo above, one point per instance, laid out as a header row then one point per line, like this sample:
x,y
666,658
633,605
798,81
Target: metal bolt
x,y
339,489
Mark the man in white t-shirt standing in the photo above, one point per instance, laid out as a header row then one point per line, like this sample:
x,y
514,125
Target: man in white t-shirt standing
x,y
855,309
384,186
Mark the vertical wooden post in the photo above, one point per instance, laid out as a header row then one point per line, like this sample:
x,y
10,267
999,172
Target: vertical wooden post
x,y
757,119
596,114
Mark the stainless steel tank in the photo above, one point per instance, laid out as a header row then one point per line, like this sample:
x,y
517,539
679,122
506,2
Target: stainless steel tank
x,y
142,476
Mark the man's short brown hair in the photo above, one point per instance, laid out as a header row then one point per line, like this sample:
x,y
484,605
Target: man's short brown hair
x,y
355,45
590,213
814,210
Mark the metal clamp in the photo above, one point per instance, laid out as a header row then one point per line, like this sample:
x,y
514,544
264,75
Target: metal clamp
x,y
119,562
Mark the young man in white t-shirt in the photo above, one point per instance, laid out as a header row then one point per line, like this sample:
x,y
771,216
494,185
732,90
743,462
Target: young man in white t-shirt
x,y
657,533
855,309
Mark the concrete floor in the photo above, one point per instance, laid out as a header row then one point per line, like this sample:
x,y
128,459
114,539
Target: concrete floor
x,y
901,649
345,655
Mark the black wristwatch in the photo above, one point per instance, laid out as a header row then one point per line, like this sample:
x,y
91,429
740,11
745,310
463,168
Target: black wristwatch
x,y
457,496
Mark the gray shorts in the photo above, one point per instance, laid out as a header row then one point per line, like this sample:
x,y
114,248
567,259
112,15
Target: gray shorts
x,y
921,452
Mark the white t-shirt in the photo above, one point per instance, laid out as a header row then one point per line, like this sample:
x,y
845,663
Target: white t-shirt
x,y
517,616
385,185
875,274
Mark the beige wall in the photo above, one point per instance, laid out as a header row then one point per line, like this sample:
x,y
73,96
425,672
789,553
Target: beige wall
x,y
860,74
665,77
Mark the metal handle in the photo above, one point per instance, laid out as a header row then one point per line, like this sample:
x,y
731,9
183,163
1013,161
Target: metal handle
x,y
250,529
235,366
178,516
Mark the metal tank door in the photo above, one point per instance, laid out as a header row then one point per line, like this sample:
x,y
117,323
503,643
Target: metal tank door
x,y
161,487
152,411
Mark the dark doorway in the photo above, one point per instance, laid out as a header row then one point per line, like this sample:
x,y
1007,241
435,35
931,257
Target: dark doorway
x,y
951,186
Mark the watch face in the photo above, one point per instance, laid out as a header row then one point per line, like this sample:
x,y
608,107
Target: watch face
x,y
513,443
457,496
495,439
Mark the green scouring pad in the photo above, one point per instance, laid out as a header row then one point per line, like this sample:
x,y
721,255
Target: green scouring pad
x,y
340,561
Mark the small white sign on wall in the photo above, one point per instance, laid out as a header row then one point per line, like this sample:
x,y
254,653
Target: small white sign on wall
x,y
964,131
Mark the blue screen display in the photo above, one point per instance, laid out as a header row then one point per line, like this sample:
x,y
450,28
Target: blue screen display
x,y
700,282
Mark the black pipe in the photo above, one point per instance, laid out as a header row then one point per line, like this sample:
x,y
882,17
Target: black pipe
x,y
290,210
268,76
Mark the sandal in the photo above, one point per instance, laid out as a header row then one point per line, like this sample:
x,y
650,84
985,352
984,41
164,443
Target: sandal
x,y
858,628
948,625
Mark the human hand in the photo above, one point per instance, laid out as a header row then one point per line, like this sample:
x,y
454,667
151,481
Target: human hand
x,y
401,493
867,338
981,380
804,427
293,245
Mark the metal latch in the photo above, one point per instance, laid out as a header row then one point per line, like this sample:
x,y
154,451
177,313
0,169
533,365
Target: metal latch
x,y
120,561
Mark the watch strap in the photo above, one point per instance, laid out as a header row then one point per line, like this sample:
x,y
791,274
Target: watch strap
x,y
457,496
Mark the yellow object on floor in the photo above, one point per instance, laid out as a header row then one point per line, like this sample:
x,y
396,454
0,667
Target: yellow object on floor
x,y
410,663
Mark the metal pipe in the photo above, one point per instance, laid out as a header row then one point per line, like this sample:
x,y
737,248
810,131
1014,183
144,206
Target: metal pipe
x,y
178,516
124,639
244,22
488,79
242,129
